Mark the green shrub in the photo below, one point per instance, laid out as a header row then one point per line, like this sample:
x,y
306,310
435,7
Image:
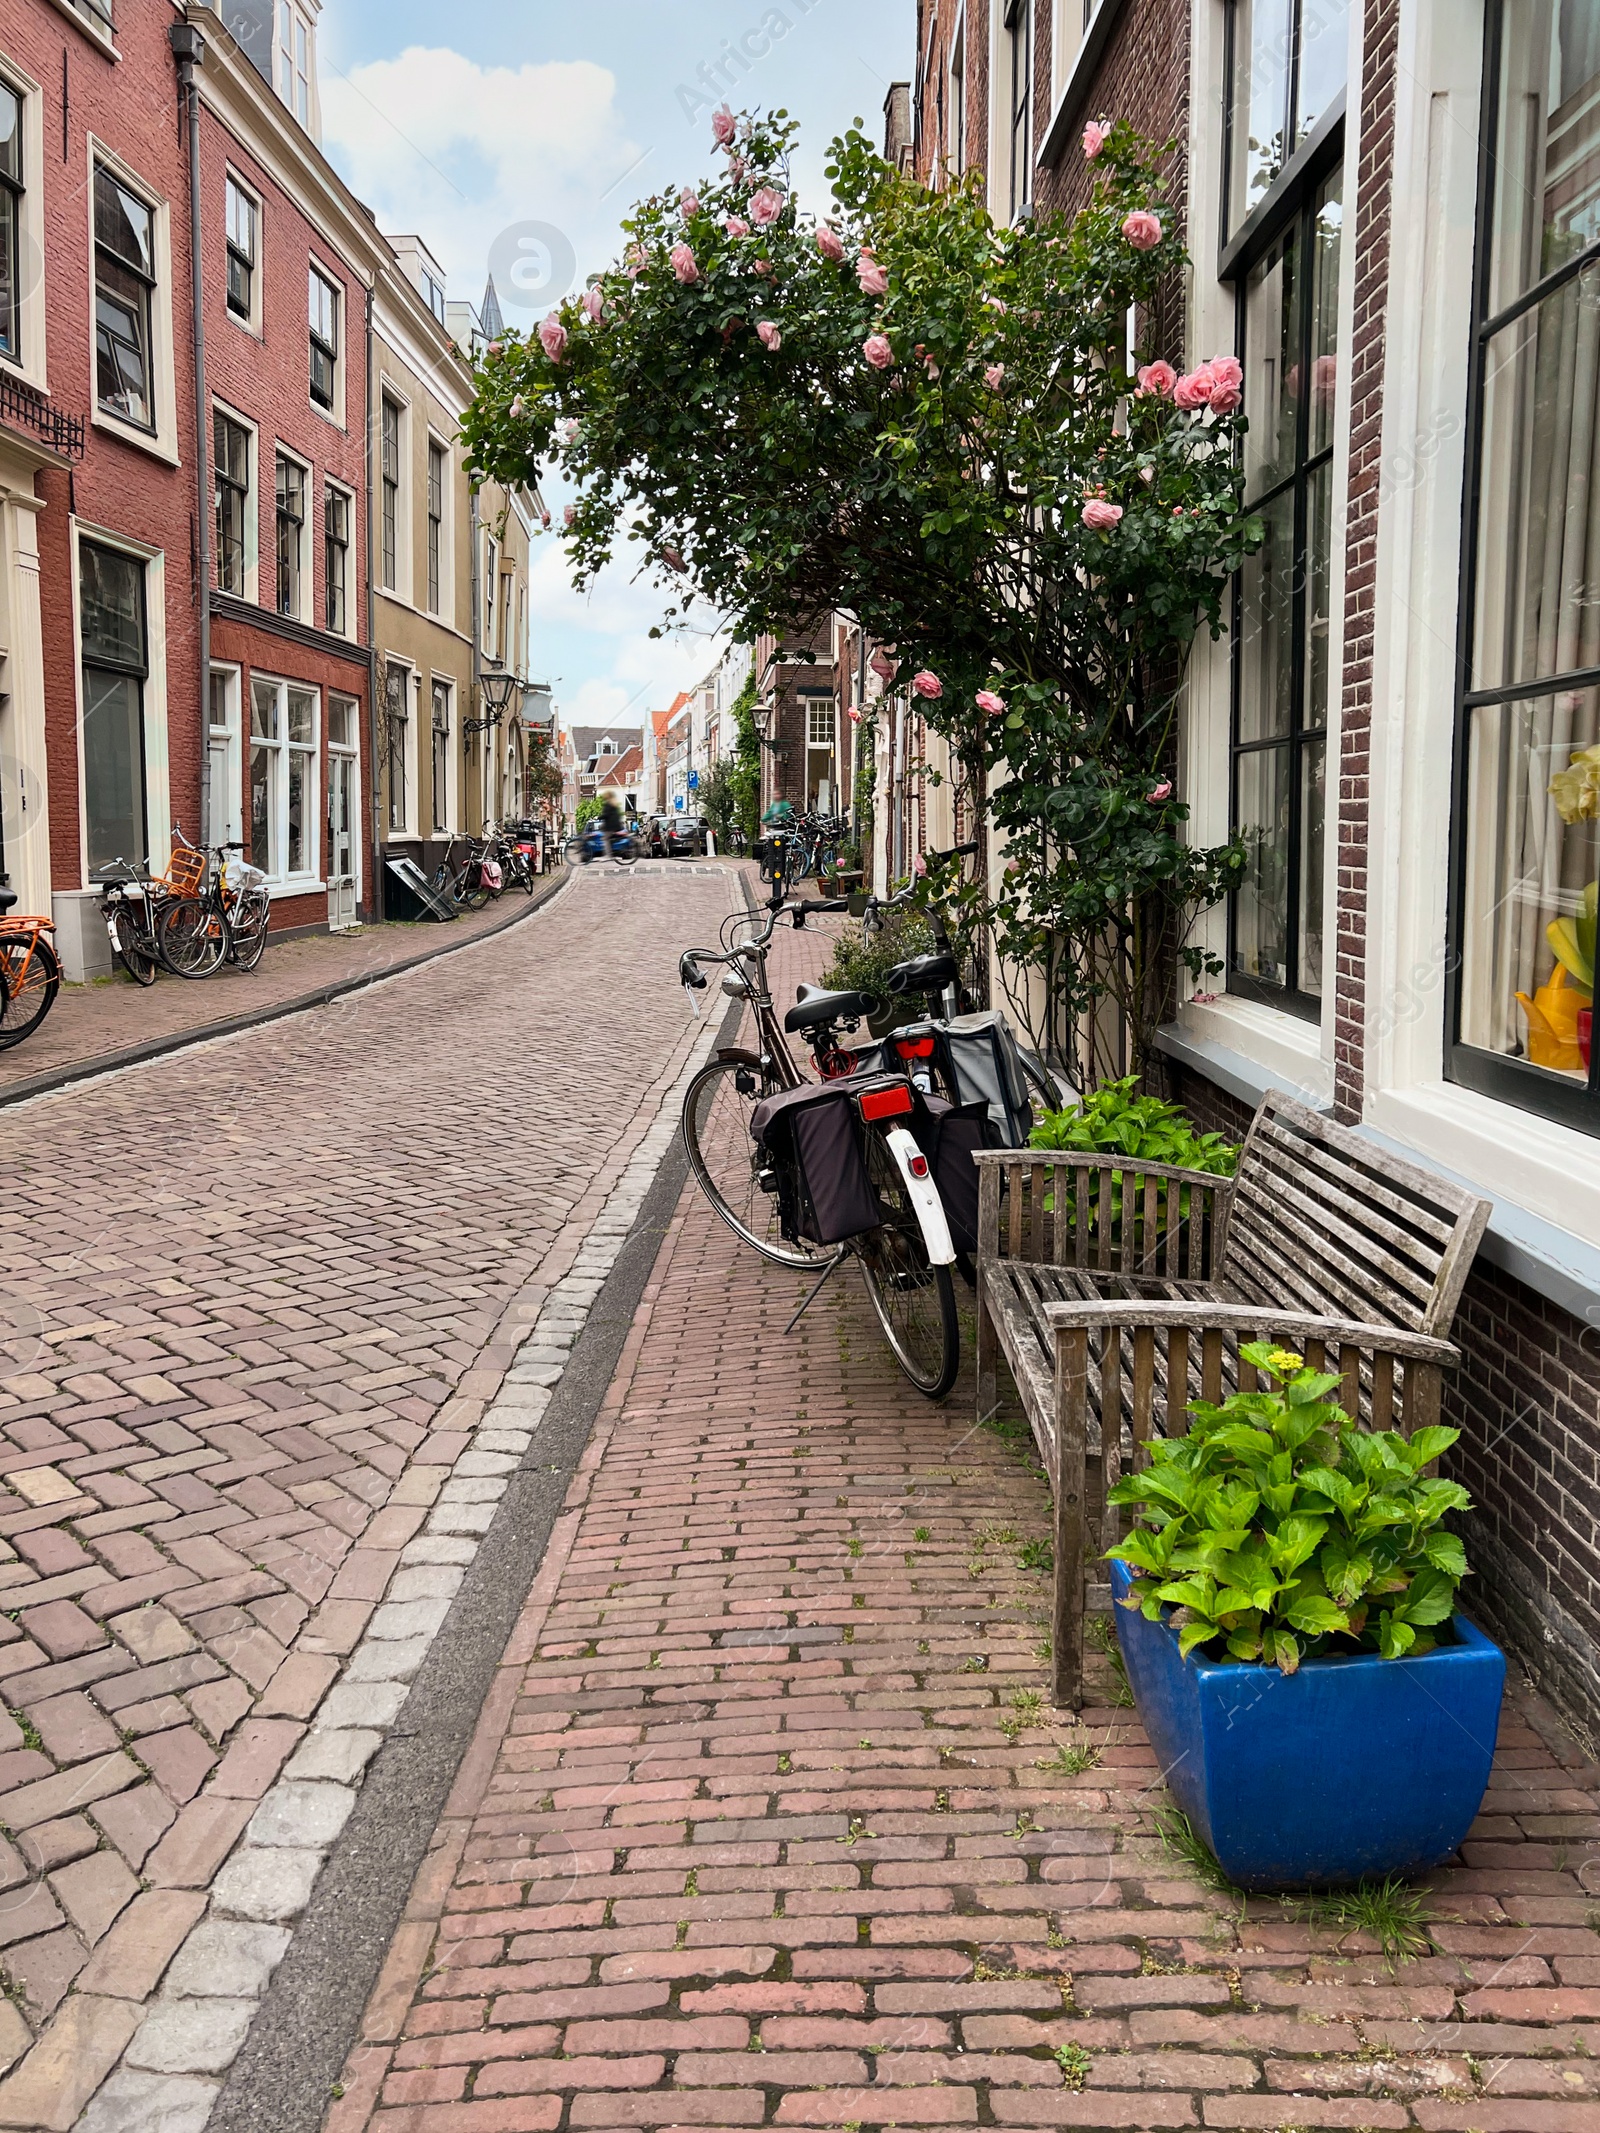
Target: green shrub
x,y
862,961
1278,1528
588,811
1116,1119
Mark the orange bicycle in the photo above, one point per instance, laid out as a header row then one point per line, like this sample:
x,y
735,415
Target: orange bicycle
x,y
30,972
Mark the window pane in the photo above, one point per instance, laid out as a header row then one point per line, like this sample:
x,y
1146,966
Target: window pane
x,y
1272,364
263,778
1533,852
1313,813
1325,315
299,790
113,766
1318,618
232,450
1262,41
1324,61
122,337
123,224
264,710
1547,146
324,310
10,133
1266,628
1261,908
111,588
10,273
302,715
1537,612
341,722
241,221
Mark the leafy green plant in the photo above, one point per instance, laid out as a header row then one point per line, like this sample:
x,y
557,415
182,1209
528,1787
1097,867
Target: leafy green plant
x,y
1116,1120
1181,1840
1277,1528
1071,1759
588,811
730,797
1392,1911
1075,2064
862,961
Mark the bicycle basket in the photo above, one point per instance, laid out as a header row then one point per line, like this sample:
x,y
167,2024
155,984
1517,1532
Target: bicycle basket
x,y
950,1135
980,1055
238,873
813,1136
184,870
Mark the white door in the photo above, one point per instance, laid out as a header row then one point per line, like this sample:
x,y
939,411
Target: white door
x,y
344,815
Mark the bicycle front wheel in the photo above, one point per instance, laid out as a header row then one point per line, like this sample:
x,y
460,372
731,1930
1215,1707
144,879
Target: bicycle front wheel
x,y
247,927
136,949
724,1159
915,1302
30,983
190,937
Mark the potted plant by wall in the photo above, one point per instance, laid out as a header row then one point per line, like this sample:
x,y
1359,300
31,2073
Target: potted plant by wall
x,y
1319,1707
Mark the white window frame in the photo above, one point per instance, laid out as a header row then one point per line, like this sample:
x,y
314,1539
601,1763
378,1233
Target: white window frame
x,y
446,607
280,882
309,520
294,63
343,489
252,502
956,90
349,752
162,442
491,604
231,826
247,321
157,789
334,411
28,362
447,827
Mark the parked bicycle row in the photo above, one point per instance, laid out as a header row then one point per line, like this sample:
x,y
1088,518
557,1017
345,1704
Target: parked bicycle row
x,y
870,1155
506,856
801,846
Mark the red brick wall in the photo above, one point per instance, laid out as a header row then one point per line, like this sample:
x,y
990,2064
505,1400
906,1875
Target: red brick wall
x,y
129,106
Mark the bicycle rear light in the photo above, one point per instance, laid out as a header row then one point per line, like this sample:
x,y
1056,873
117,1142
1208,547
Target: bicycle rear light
x,y
885,1103
917,1165
914,1047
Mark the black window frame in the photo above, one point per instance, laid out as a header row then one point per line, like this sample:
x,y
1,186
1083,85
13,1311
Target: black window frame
x,y
1019,109
389,493
440,728
437,460
323,375
241,262
13,195
1290,203
110,263
232,503
1540,1091
99,658
336,516
291,551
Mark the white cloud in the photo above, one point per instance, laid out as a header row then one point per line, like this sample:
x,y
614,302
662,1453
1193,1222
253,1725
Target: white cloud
x,y
599,641
460,154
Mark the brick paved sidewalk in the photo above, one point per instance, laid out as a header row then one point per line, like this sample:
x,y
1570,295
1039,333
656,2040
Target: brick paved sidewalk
x,y
764,1823
259,1299
113,1015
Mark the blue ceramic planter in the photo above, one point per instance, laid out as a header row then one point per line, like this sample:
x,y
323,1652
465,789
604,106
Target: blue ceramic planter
x,y
1352,1766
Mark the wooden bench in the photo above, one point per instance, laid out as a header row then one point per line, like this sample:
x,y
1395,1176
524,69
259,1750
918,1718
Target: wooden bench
x,y
1119,1295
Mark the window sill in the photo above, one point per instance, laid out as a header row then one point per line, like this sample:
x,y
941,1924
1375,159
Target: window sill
x,y
278,891
1248,1049
99,38
158,447
387,592
327,415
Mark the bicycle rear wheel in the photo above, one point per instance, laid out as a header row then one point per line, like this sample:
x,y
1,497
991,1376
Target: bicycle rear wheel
x,y
30,984
723,1157
247,924
136,950
190,937
915,1302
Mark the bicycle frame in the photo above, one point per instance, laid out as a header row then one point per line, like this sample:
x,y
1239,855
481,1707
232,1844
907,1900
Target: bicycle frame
x,y
15,929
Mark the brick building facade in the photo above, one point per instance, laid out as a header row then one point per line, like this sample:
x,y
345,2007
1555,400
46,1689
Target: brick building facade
x,y
1396,206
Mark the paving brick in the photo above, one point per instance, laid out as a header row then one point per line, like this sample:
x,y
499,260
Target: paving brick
x,y
72,1729
130,1960
50,2086
178,1761
92,1891
190,1853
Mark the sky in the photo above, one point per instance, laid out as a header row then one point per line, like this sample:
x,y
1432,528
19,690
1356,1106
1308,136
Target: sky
x,y
512,138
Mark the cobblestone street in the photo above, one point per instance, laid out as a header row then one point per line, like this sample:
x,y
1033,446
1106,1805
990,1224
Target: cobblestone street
x,y
260,1297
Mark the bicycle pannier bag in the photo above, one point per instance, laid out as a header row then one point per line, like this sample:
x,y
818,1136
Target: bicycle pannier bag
x,y
950,1135
815,1139
981,1055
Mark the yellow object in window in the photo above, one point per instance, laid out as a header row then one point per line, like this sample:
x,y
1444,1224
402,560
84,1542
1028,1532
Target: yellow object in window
x,y
1552,1016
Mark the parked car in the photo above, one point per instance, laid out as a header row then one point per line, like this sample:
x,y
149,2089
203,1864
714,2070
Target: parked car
x,y
686,836
655,835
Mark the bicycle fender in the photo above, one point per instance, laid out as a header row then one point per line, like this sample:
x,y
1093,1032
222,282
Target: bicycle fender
x,y
736,1055
924,1197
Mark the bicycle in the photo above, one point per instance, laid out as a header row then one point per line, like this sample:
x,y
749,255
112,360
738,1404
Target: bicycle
x,y
225,919
30,972
812,848
758,1188
591,844
130,901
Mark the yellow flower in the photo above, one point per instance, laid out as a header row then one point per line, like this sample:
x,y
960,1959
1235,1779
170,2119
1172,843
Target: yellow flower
x,y
1576,790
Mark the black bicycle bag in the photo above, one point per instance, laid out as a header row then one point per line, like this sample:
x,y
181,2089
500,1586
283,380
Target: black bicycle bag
x,y
815,1140
950,1135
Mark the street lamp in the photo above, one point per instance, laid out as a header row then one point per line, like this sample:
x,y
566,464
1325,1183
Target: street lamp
x,y
495,692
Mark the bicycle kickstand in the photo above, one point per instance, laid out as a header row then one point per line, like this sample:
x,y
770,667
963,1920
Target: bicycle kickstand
x,y
835,1262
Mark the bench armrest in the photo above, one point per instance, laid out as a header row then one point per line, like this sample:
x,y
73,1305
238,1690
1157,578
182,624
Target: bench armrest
x,y
1210,1317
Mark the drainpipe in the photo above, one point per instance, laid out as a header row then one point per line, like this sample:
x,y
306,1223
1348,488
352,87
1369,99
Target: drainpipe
x,y
377,692
474,694
188,49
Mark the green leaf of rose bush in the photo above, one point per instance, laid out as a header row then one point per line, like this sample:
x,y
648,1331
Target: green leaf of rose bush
x,y
1276,1528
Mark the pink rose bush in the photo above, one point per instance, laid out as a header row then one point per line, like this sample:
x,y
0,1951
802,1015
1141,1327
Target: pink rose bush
x,y
883,666
672,557
723,126
1142,230
569,514
768,334
736,226
877,351
684,264
1094,138
765,207
1193,389
688,202
594,304
874,279
1158,793
926,685
994,376
553,338
829,243
1099,516
990,704
1156,380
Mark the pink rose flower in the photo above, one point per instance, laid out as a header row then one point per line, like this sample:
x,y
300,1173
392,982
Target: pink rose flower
x,y
1225,398
987,701
1325,381
495,347
1158,793
635,259
683,264
688,202
738,169
919,866
544,519
828,242
736,226
855,715
722,126
927,685
519,407
1195,387
594,305
672,558
883,666
569,514
877,351
553,338
763,267
1099,516
1157,379
1095,135
1142,230
994,376
874,279
768,334
766,207
1202,999
567,429
1227,370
